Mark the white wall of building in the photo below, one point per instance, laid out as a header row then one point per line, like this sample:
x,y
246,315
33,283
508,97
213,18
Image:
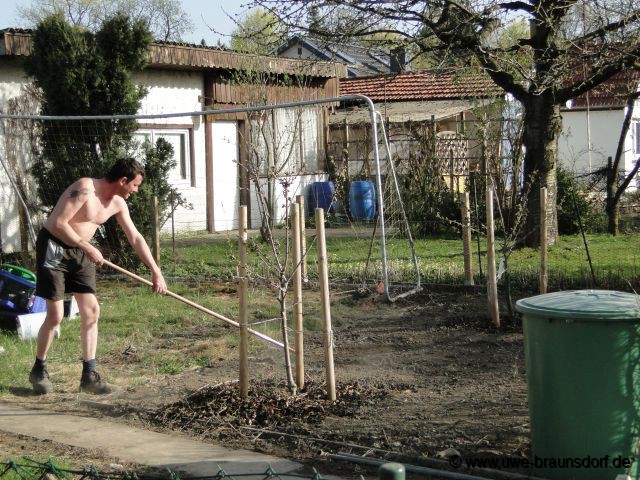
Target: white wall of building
x,y
178,92
226,185
12,79
298,146
298,51
600,129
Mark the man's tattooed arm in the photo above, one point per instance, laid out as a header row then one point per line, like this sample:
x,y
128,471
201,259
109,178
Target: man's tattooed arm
x,y
77,193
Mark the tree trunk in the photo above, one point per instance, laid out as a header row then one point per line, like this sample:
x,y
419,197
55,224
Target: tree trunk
x,y
543,125
282,300
611,206
613,219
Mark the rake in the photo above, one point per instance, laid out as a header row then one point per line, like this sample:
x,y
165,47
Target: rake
x,y
194,305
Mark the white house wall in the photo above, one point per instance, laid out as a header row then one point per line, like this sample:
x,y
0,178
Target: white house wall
x,y
12,79
300,185
292,127
175,92
178,92
292,52
226,191
576,135
169,92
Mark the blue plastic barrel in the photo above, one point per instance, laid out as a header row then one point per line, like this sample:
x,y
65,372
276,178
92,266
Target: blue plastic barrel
x,y
362,200
321,196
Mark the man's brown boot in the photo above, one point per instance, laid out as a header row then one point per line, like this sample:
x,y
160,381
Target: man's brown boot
x,y
92,383
39,379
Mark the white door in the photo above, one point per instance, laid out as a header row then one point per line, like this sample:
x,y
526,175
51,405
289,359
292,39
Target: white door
x,y
226,191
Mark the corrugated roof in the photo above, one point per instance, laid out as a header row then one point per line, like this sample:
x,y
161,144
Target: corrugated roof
x,y
175,55
29,31
422,85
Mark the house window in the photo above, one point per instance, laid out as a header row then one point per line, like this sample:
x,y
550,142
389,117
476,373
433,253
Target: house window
x,y
179,139
635,133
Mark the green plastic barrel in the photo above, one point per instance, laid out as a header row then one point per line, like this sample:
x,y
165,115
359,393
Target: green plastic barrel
x,y
582,352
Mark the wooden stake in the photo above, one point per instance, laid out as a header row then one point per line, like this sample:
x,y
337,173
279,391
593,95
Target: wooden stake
x,y
155,230
544,252
193,304
323,274
303,237
492,284
297,291
466,239
244,302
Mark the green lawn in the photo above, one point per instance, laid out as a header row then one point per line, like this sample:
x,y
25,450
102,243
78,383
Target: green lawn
x,y
615,260
143,335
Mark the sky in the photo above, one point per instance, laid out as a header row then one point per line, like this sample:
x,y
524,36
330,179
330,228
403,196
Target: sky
x,y
204,14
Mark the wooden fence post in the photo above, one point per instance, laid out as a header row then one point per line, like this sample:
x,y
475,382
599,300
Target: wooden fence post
x,y
244,301
323,278
298,321
466,239
544,252
492,283
303,237
155,230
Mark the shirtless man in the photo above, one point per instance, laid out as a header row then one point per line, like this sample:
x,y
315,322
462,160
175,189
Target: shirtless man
x,y
66,263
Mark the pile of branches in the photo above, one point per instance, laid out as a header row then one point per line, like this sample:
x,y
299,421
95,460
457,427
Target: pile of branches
x,y
268,406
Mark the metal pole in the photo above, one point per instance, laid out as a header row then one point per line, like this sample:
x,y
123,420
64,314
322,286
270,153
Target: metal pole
x,y
376,156
155,229
416,265
392,471
173,225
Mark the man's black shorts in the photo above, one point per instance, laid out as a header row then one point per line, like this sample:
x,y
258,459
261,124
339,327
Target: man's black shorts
x,y
62,269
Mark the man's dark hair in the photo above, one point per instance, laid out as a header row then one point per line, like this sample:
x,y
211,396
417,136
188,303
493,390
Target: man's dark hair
x,y
124,167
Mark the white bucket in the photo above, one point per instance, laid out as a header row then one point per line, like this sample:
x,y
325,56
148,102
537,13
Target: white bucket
x,y
29,325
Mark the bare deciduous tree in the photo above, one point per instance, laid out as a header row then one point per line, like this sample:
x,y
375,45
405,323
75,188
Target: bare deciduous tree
x,y
274,163
165,19
570,47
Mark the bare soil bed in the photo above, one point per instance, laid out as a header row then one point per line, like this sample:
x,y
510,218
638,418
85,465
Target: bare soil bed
x,y
415,379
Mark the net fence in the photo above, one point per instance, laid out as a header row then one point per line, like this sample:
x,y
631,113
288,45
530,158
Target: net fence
x,y
29,469
201,167
271,159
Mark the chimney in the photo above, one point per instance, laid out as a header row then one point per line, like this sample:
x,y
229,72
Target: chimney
x,y
397,59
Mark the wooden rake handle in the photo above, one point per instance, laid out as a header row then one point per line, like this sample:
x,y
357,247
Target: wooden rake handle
x,y
193,304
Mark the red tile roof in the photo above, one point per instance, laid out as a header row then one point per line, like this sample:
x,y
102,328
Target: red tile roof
x,y
422,85
612,93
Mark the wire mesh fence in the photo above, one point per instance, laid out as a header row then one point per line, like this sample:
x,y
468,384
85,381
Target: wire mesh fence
x,y
28,469
434,163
